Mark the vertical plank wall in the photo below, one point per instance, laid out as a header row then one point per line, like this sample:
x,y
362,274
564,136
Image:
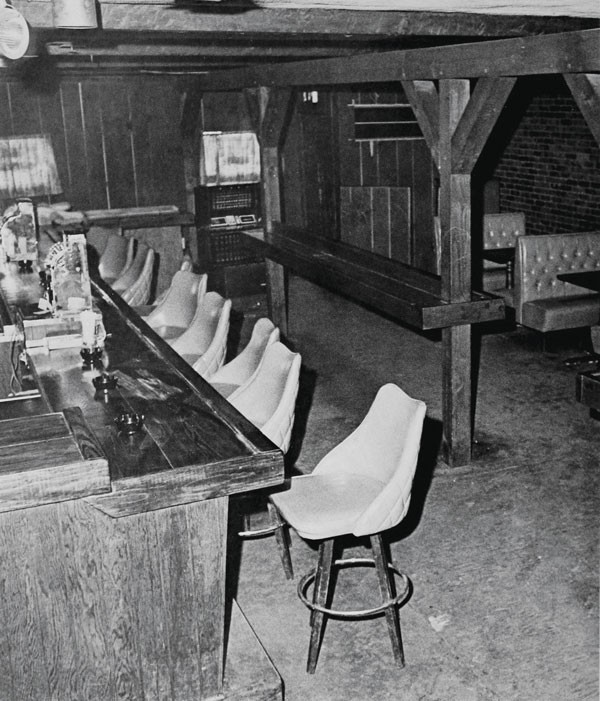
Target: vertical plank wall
x,y
392,183
117,140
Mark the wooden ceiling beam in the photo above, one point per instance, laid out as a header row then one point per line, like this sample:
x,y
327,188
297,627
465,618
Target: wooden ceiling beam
x,y
201,19
572,52
205,52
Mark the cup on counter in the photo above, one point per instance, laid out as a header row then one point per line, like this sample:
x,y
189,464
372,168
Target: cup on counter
x,y
92,329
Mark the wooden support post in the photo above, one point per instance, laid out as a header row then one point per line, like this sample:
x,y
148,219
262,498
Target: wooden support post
x,y
455,216
456,125
272,113
585,89
190,131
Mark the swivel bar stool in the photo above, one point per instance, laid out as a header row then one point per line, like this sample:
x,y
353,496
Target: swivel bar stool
x,y
361,487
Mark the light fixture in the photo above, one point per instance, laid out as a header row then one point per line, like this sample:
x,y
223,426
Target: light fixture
x,y
28,167
14,32
74,14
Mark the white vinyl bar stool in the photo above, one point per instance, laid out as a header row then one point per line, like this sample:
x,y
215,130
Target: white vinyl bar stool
x,y
204,343
268,400
185,266
178,306
132,272
240,369
116,257
361,487
139,292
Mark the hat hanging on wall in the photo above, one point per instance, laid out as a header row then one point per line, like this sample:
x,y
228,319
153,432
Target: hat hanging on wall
x,y
14,32
74,14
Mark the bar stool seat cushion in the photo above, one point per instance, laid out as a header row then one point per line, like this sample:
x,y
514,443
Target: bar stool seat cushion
x,y
327,505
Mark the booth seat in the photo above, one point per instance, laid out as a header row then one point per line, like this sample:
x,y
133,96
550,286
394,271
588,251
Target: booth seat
x,y
500,233
543,302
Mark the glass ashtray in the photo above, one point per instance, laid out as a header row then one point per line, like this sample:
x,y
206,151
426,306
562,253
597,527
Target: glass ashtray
x,y
105,381
129,422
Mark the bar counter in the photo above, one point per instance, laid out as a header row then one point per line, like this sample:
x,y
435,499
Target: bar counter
x,y
114,547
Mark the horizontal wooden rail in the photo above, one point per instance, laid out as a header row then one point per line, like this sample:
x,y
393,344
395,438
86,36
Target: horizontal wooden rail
x,y
406,294
140,217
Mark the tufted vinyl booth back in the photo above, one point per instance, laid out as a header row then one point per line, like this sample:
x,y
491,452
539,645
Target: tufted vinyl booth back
x,y
541,258
502,230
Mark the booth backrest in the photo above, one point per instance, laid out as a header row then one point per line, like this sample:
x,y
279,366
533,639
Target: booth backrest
x,y
502,230
539,259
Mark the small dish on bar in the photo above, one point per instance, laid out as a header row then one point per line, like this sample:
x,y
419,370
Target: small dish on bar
x,y
129,422
105,381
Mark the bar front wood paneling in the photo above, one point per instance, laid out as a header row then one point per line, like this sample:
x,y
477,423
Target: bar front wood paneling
x,y
113,547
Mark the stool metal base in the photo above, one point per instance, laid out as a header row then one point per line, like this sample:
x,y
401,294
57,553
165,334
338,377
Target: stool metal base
x,y
320,609
277,528
397,600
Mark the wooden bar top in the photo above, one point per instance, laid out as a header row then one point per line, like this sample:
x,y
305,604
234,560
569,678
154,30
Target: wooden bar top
x,y
192,446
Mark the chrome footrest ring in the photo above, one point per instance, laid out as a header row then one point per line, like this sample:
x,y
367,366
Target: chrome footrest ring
x,y
309,578
259,532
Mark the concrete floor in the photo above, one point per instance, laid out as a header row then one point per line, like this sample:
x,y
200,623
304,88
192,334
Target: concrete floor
x,y
502,555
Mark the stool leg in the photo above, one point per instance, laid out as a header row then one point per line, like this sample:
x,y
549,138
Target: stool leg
x,y
387,589
282,541
321,591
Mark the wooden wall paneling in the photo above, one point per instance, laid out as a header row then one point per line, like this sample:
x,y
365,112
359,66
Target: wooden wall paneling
x,y
404,161
387,155
158,148
190,134
369,150
318,157
348,149
94,143
387,164
356,222
116,128
25,109
6,113
225,111
145,105
293,161
381,221
52,123
423,208
401,224
77,188
190,126
369,157
334,168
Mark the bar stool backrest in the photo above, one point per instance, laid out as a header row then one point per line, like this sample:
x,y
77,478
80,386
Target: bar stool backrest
x,y
384,446
268,399
116,257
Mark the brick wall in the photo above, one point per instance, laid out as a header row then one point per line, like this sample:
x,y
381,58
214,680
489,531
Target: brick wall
x,y
549,165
